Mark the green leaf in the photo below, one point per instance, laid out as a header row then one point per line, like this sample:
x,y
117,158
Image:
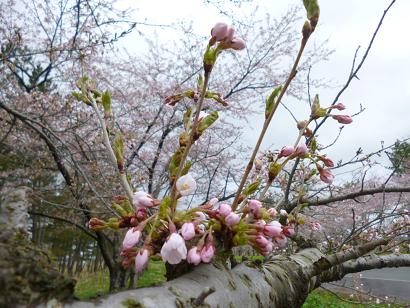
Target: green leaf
x,y
106,102
251,188
207,121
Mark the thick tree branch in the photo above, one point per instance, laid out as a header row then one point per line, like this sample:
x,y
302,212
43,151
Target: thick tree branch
x,y
363,264
364,192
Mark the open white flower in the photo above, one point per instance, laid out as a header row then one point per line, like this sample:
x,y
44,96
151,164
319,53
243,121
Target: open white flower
x,y
186,185
174,249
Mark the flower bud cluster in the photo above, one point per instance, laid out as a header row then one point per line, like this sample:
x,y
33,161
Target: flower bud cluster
x,y
193,235
222,37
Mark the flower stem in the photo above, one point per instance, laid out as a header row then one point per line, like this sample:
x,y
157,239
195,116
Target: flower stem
x,y
190,142
111,154
267,122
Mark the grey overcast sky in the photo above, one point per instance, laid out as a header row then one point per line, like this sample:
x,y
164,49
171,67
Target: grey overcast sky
x,y
384,85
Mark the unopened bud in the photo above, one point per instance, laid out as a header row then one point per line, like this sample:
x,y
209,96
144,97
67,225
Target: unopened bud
x,y
306,30
274,169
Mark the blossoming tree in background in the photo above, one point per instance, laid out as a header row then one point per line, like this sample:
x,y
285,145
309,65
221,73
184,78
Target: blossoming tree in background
x,y
272,210
186,237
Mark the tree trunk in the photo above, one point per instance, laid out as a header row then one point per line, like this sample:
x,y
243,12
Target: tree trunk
x,y
117,277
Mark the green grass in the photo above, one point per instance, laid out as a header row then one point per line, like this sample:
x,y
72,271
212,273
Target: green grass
x,y
323,299
155,274
90,285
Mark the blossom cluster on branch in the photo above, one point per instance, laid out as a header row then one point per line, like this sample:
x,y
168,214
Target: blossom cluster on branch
x,y
198,234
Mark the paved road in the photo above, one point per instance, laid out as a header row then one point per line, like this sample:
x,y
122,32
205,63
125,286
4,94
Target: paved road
x,y
394,283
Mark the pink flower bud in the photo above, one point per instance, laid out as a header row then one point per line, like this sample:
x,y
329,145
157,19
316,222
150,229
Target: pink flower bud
x,y
194,256
213,201
260,223
229,34
254,206
267,249
272,212
339,106
283,213
286,151
224,209
301,149
237,43
207,252
174,249
327,161
141,213
141,260
200,215
188,231
219,31
142,199
232,219
261,241
273,229
132,237
96,224
289,230
343,119
326,175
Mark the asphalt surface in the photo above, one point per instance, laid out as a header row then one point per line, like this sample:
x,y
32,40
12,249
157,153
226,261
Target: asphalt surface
x,y
391,282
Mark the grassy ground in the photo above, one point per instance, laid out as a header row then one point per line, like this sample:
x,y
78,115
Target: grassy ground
x,y
90,285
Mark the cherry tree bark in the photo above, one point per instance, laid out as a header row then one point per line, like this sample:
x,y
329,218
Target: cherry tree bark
x,y
282,281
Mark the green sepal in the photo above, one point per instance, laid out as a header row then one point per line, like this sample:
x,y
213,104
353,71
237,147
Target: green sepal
x,y
274,169
312,11
186,168
240,239
174,163
215,225
119,209
315,106
302,207
106,102
200,83
216,97
186,117
80,97
251,188
271,100
85,84
164,208
210,56
207,121
126,205
113,223
119,150
313,145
